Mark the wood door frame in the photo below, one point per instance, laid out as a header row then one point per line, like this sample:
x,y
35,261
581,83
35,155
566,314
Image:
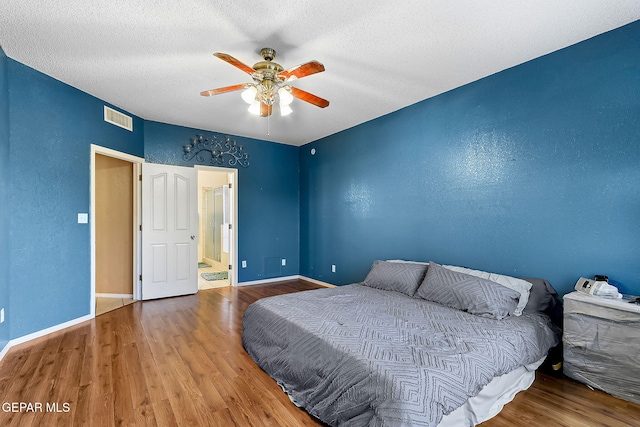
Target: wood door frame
x,y
137,220
233,253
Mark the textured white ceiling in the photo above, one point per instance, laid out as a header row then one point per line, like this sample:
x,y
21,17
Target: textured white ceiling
x,y
153,57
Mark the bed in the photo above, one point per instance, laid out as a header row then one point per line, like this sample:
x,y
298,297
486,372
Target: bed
x,y
414,344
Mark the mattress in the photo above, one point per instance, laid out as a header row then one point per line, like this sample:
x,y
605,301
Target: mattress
x,y
354,355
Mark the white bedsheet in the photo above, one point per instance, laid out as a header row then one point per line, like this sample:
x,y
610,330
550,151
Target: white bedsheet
x,y
489,402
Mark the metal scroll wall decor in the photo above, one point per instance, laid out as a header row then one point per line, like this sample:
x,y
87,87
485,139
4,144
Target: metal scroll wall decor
x,y
202,148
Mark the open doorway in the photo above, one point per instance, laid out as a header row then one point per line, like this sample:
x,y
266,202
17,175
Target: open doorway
x,y
115,222
216,212
114,239
136,163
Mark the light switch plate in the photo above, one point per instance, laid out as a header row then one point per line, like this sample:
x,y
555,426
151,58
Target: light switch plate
x,y
284,262
83,218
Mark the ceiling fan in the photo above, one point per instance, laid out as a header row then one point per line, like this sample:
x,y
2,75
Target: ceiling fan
x,y
270,84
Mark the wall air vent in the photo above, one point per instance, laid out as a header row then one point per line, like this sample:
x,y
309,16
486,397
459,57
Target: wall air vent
x,y
117,118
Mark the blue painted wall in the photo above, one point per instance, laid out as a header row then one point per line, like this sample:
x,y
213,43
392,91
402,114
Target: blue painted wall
x,y
52,126
268,197
532,172
4,196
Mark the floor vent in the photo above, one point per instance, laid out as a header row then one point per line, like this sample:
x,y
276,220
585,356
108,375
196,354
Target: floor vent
x,y
117,118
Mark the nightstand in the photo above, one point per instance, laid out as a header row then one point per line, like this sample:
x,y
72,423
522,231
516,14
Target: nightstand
x,y
601,341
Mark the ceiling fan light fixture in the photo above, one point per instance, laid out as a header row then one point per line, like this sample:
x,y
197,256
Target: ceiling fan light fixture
x,y
254,108
249,95
285,96
269,84
285,110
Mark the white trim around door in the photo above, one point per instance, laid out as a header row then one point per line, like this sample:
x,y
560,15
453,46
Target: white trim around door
x,y
233,278
137,162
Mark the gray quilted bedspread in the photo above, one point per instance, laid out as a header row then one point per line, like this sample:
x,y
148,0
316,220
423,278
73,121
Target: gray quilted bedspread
x,y
359,356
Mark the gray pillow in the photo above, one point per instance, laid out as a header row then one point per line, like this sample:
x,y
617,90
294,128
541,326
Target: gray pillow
x,y
467,293
395,276
541,297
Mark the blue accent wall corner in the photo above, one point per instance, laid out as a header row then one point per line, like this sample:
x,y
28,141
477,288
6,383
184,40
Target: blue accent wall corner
x,y
268,197
5,262
52,127
531,172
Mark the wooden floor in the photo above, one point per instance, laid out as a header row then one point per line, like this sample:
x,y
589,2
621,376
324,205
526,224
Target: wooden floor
x,y
180,361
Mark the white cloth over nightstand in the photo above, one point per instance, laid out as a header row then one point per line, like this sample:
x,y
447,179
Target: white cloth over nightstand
x,y
601,340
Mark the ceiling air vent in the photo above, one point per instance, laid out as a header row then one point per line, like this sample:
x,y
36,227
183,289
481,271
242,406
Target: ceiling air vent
x,y
117,118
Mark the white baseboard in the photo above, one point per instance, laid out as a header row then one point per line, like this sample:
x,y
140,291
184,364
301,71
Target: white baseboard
x,y
42,333
282,279
317,282
4,351
73,322
130,296
265,281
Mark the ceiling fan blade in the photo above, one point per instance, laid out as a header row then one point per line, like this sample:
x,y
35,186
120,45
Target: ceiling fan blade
x,y
309,97
265,110
223,90
233,61
303,70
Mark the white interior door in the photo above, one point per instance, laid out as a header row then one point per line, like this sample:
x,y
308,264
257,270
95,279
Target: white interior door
x,y
169,231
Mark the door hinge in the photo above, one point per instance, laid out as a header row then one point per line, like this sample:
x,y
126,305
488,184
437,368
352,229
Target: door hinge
x,y
230,225
229,266
141,277
230,186
140,177
140,227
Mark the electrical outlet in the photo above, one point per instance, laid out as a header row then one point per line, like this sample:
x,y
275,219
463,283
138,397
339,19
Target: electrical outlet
x,y
284,262
2,315
333,268
244,263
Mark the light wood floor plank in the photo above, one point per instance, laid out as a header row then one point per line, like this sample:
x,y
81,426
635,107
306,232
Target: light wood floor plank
x,y
180,362
163,413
